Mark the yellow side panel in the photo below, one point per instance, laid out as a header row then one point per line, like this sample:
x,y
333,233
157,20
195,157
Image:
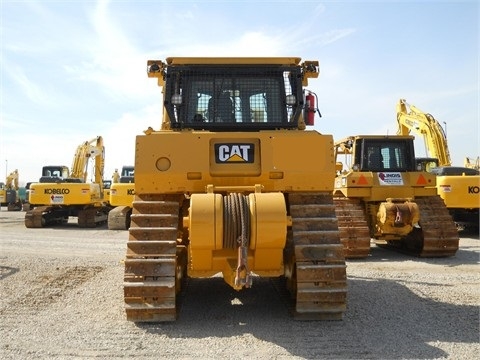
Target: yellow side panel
x,y
122,194
268,259
372,186
284,160
64,193
459,191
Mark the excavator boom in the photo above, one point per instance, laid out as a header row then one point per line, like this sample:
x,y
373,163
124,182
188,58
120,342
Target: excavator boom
x,y
86,151
457,186
410,118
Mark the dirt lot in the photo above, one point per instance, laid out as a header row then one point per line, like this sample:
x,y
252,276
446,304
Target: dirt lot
x,y
61,298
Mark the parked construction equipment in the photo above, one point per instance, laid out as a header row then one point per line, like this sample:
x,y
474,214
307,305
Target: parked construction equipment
x,y
9,195
459,187
62,193
381,195
233,183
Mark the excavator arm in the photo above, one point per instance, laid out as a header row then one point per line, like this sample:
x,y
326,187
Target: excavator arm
x,y
99,161
12,180
472,163
413,119
86,151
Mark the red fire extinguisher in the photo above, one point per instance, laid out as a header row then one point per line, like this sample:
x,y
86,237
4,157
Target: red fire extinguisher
x,y
309,109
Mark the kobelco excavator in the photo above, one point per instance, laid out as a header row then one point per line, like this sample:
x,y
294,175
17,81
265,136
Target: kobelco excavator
x,y
61,193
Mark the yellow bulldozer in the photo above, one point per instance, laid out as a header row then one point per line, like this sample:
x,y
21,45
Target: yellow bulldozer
x,y
62,193
381,195
234,183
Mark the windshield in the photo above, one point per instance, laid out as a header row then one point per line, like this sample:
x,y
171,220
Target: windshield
x,y
235,98
385,155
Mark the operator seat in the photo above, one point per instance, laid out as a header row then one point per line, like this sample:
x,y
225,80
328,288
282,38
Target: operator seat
x,y
221,109
375,161
393,162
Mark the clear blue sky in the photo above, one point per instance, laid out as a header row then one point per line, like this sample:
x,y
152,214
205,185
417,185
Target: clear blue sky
x,y
73,70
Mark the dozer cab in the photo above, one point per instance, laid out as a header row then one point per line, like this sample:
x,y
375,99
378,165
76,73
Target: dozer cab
x,y
227,185
380,194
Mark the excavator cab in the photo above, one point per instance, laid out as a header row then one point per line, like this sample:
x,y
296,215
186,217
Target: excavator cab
x,y
54,173
127,175
426,163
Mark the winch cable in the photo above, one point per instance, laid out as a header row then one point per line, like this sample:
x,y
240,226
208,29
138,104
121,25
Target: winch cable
x,y
236,221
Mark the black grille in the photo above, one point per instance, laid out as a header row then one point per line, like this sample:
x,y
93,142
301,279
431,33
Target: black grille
x,y
236,98
386,155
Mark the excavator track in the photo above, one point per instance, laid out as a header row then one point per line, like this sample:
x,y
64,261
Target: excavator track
x,y
33,218
42,216
16,206
437,236
119,218
154,264
317,276
353,227
92,216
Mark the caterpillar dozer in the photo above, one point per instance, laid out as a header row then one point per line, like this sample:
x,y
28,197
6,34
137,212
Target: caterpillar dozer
x,y
122,193
61,193
458,186
381,195
234,183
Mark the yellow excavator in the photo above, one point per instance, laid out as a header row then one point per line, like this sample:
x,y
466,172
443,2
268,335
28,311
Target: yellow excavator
x,y
459,187
234,183
9,192
61,193
122,193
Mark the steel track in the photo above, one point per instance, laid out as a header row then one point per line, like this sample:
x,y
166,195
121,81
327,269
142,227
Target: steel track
x,y
152,269
353,227
317,276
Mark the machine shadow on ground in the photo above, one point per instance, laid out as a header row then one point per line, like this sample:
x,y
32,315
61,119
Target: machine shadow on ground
x,y
465,255
263,312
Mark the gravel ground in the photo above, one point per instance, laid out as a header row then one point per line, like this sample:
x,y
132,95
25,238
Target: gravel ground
x,y
61,298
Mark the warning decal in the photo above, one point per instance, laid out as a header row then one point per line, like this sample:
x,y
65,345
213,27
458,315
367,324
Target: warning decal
x,y
56,199
362,180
